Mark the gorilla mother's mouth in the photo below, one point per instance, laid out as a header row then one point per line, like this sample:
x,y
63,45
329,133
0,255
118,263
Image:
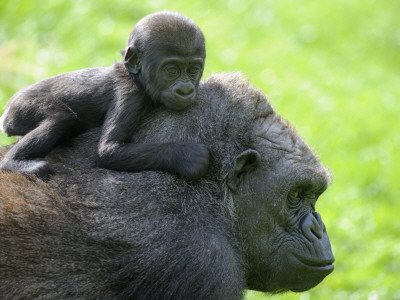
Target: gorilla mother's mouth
x,y
323,265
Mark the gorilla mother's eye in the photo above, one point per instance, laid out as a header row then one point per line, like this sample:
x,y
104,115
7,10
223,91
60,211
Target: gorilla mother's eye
x,y
294,197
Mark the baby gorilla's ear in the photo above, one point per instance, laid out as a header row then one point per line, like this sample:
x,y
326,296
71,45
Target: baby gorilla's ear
x,y
132,60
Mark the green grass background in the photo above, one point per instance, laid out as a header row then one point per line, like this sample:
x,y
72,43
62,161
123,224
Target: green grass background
x,y
331,67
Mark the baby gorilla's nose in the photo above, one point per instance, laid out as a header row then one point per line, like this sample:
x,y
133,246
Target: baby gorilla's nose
x,y
184,90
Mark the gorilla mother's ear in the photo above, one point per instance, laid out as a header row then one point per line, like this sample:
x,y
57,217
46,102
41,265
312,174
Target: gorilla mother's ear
x,y
133,60
245,161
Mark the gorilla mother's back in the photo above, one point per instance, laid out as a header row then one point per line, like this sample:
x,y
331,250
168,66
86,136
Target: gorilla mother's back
x,y
95,233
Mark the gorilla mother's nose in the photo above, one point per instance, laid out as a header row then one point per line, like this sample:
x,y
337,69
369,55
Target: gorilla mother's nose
x,y
313,227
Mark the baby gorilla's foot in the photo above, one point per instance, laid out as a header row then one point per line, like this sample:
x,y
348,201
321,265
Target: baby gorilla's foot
x,y
37,167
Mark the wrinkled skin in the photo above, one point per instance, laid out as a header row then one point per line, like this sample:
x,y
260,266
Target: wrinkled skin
x,y
300,240
249,223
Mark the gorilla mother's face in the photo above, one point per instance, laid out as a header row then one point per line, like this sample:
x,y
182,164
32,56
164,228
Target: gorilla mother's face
x,y
287,246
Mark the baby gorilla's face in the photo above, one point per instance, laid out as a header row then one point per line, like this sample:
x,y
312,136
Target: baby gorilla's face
x,y
174,79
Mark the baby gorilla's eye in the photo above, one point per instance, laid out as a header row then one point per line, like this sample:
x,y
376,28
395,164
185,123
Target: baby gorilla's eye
x,y
172,70
194,70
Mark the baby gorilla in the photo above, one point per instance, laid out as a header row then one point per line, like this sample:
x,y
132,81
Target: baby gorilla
x,y
162,65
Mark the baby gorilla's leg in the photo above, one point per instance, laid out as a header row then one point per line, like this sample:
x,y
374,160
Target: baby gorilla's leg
x,y
27,155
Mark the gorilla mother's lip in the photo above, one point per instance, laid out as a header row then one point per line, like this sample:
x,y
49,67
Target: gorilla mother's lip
x,y
322,265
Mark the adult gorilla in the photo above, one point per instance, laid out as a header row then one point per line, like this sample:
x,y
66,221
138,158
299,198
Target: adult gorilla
x,y
250,223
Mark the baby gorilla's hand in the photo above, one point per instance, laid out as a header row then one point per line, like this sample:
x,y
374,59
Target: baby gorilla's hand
x,y
194,161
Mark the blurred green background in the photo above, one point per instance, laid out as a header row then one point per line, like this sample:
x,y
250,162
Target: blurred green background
x,y
331,67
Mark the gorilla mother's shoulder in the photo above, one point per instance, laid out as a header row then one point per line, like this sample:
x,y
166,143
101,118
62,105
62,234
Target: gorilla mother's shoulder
x,y
249,223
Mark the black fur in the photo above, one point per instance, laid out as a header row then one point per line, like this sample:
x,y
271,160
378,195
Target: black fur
x,y
99,234
62,106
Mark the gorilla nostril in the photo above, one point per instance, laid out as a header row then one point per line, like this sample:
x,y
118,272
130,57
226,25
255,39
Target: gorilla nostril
x,y
180,92
312,226
185,93
316,232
